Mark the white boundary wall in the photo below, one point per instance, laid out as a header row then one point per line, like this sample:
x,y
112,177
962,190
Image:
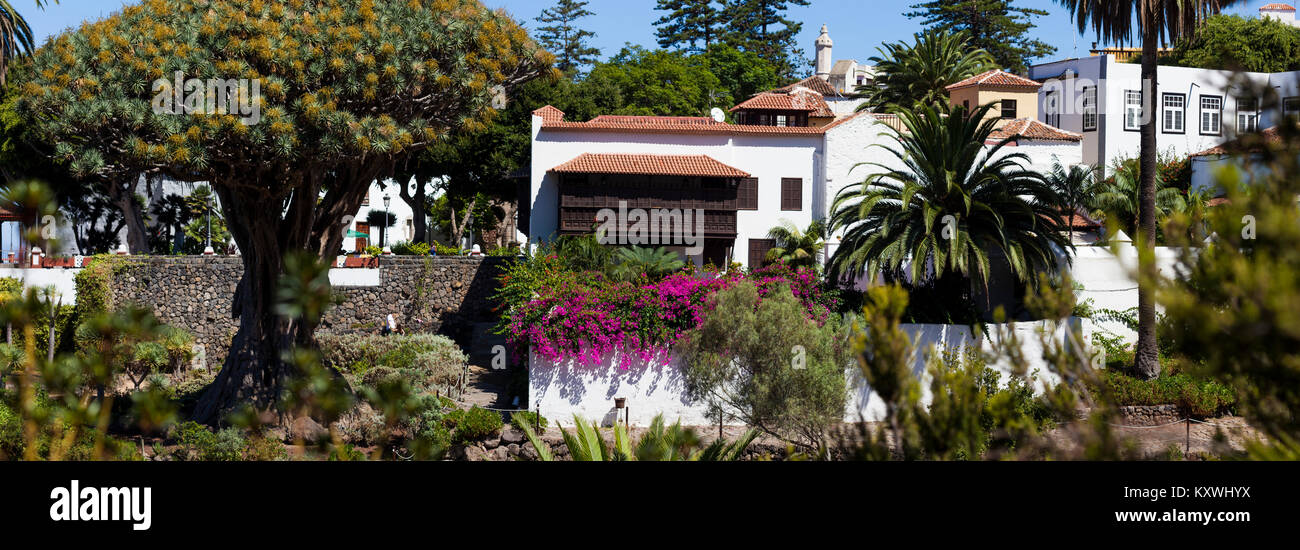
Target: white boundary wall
x,y
657,387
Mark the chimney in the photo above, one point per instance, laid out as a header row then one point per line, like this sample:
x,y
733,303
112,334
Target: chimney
x,y
824,59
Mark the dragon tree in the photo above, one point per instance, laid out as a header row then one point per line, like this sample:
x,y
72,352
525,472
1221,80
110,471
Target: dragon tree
x,y
341,91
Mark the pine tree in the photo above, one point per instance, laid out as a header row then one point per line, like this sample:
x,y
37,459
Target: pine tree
x,y
691,25
563,38
760,26
997,26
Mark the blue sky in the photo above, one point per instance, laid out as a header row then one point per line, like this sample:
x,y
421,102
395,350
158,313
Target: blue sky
x,y
858,26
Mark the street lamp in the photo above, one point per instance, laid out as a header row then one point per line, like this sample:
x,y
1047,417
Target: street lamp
x,y
383,229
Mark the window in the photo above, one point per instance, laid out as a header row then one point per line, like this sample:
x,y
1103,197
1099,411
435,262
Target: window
x,y
758,251
965,104
1052,107
1247,115
1291,108
791,194
747,194
1211,115
1008,108
780,120
1132,110
1175,110
1089,108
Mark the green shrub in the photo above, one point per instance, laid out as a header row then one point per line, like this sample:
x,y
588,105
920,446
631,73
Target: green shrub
x,y
373,250
405,248
1194,396
527,417
197,442
473,424
432,359
11,359
442,250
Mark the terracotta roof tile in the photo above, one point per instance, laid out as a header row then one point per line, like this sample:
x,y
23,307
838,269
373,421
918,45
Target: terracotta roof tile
x,y
654,165
1269,136
674,125
798,100
996,78
814,83
1278,6
652,120
1028,128
549,114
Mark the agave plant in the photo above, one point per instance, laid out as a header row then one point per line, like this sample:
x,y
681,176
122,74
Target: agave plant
x,y
952,205
797,247
653,263
660,443
915,74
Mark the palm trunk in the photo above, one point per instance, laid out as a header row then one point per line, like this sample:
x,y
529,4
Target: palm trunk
x,y
1147,364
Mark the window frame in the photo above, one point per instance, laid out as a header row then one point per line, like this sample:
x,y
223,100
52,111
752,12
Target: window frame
x,y
1218,112
1254,115
771,243
741,203
1052,108
1090,110
786,194
1165,110
1002,108
1128,105
1293,112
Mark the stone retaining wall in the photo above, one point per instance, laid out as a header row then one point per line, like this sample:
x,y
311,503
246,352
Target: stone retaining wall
x,y
1150,415
445,295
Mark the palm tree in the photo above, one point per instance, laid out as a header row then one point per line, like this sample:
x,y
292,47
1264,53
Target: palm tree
x,y
796,247
1076,186
912,74
1156,21
951,206
653,263
1117,196
16,38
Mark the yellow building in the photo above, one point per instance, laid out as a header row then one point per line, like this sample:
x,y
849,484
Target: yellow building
x,y
1125,55
1017,96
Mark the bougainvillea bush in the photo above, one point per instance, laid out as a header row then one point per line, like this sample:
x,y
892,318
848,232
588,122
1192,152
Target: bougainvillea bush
x,y
562,314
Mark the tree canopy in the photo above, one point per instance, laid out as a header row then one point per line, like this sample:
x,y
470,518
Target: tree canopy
x,y
691,25
560,34
996,26
908,75
344,90
1228,42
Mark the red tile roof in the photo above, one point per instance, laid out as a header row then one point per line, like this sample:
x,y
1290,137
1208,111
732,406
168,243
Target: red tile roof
x,y
667,125
996,78
1030,129
549,114
653,165
814,83
652,120
1277,6
1269,136
798,100
1217,201
1082,221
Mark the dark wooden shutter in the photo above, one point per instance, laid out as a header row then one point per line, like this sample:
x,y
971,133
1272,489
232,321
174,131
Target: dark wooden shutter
x,y
747,194
791,194
758,251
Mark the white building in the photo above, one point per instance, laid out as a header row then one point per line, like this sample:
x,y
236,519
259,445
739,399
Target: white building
x,y
789,154
1281,12
1197,109
845,75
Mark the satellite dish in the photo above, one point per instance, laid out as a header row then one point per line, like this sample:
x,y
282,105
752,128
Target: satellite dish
x,y
718,115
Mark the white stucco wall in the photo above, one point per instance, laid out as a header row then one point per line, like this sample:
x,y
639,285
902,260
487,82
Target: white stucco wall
x,y
1111,140
766,157
563,389
1108,280
63,280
